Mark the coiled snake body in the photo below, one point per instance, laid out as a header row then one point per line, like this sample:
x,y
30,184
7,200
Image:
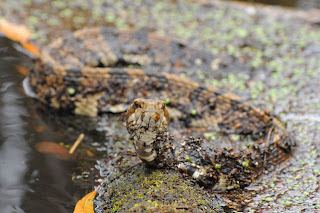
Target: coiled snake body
x,y
99,70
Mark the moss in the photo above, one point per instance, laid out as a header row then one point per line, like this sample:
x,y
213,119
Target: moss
x,y
66,13
167,100
146,189
211,135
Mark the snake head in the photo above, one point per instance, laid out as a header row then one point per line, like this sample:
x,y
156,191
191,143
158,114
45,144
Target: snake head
x,y
151,115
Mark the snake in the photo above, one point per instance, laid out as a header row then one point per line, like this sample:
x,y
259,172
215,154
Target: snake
x,y
100,70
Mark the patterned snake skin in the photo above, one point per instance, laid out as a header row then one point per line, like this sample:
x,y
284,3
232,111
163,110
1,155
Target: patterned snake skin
x,y
98,70
221,169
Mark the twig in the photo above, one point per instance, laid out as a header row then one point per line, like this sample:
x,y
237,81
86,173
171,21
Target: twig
x,y
124,172
268,137
183,207
76,143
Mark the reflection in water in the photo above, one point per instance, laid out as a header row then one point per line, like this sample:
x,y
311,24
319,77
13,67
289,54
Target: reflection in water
x,y
13,146
29,181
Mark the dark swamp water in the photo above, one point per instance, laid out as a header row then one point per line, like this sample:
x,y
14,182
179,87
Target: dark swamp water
x,y
30,181
283,76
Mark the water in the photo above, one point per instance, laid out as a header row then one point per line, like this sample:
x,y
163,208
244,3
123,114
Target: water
x,y
30,181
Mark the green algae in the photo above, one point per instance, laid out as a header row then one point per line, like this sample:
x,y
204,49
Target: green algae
x,y
155,190
71,90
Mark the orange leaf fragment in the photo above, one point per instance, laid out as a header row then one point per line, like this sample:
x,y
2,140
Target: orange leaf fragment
x,y
85,205
15,32
57,150
31,48
19,33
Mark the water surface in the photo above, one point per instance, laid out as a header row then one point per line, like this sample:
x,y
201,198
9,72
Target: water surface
x,y
30,181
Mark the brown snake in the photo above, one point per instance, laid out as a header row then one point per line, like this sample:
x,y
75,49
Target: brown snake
x,y
98,70
147,123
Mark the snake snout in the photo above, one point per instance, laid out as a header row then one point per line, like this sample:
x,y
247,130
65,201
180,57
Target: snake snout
x,y
150,118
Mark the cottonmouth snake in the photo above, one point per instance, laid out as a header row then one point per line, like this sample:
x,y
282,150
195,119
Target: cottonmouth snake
x,y
99,70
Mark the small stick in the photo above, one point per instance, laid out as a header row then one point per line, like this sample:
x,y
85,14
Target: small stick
x,y
124,172
76,143
183,207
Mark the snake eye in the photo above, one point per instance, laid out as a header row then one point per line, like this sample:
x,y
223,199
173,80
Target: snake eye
x,y
136,105
163,106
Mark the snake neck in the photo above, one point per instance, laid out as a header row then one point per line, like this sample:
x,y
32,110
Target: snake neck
x,y
147,145
147,123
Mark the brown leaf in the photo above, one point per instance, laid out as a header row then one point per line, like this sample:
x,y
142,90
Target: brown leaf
x,y
30,47
15,32
19,33
57,150
85,205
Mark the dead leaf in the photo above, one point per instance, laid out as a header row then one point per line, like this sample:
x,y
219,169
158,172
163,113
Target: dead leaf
x,y
85,205
19,33
57,150
15,32
31,48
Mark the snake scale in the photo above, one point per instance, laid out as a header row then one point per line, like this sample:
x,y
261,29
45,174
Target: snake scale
x,y
97,70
